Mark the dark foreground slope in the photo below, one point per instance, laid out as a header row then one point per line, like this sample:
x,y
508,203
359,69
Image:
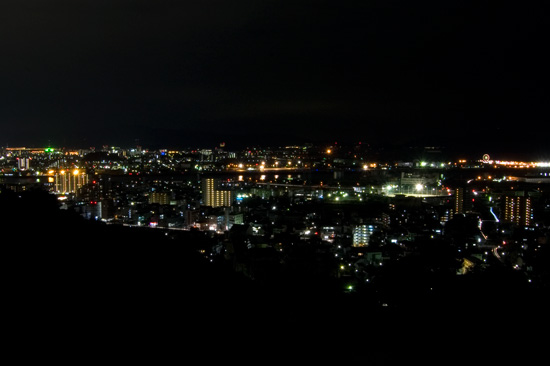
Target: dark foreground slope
x,y
55,255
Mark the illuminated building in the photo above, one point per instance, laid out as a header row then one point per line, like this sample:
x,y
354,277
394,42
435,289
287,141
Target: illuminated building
x,y
69,181
234,219
160,198
518,209
361,235
328,233
413,180
18,151
214,197
23,163
463,201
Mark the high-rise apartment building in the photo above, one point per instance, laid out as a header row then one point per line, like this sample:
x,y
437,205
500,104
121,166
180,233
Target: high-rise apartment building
x,y
23,163
517,208
213,196
161,198
463,200
361,235
69,181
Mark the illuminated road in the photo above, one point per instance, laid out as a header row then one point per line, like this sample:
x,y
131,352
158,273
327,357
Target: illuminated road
x,y
267,170
421,195
316,186
146,226
495,253
494,215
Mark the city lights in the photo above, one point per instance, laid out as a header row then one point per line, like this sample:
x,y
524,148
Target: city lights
x,y
270,191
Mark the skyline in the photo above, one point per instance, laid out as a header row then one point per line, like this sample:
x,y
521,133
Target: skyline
x,y
174,74
358,153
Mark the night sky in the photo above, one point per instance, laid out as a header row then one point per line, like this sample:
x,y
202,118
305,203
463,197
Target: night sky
x,y
468,74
